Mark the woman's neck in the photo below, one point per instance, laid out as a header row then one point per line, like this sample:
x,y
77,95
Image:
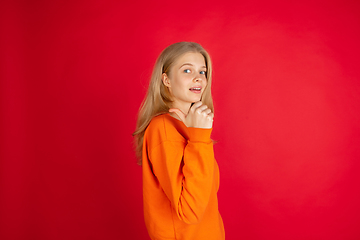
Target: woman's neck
x,y
182,107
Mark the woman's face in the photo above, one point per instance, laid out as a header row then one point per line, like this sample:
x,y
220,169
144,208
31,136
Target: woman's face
x,y
186,80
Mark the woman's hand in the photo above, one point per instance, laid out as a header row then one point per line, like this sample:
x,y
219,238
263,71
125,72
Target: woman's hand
x,y
199,116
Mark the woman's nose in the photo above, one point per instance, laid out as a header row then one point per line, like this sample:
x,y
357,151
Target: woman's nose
x,y
198,78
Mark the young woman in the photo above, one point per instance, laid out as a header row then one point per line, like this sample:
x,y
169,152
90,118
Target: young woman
x,y
180,173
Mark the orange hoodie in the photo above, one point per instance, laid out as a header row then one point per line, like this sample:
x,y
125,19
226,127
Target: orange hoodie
x,y
180,182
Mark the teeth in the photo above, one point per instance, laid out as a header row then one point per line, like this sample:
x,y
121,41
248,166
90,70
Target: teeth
x,y
197,89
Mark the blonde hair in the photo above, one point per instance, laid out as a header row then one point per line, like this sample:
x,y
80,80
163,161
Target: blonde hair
x,y
158,98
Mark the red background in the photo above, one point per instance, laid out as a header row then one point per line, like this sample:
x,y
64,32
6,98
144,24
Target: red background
x,y
286,91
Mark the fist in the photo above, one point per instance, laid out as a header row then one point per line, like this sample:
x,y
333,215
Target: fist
x,y
199,116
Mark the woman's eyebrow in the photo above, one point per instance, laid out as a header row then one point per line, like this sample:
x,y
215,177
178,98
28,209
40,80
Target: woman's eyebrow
x,y
190,65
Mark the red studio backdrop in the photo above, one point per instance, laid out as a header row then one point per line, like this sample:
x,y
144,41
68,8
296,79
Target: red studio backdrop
x,y
287,96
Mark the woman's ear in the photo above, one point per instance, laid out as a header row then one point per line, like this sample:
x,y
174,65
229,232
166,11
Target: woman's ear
x,y
165,79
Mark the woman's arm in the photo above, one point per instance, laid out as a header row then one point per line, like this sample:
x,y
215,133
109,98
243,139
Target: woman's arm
x,y
186,173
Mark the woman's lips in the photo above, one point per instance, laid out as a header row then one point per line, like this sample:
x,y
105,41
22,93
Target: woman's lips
x,y
196,89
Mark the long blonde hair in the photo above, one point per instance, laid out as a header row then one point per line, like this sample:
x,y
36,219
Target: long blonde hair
x,y
158,98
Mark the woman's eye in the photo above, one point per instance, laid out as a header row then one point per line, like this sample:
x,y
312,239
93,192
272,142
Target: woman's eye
x,y
203,72
187,71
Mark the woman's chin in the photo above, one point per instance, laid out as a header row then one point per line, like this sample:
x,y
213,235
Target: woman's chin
x,y
196,99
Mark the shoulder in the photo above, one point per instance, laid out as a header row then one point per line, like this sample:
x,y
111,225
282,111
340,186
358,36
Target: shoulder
x,y
157,125
157,122
165,128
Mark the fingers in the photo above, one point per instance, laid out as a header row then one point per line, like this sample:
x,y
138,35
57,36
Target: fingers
x,y
207,111
210,116
195,106
202,109
199,116
198,106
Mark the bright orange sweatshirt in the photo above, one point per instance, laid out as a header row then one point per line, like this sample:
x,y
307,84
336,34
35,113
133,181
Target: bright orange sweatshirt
x,y
180,182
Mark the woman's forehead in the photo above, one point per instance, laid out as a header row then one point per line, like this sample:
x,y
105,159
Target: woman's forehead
x,y
191,58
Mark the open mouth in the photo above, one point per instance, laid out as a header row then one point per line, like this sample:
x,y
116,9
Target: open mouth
x,y
195,89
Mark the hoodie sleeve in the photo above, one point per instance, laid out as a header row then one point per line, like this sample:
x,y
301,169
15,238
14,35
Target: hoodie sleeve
x,y
185,171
